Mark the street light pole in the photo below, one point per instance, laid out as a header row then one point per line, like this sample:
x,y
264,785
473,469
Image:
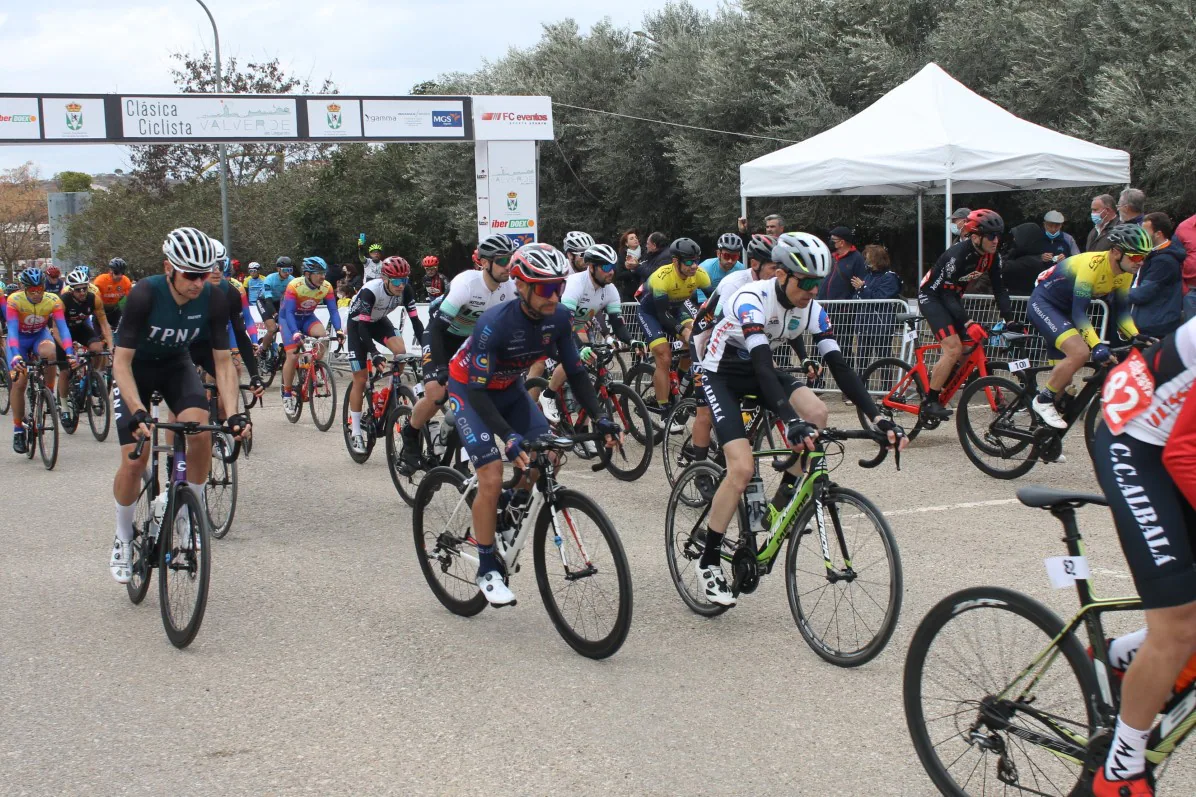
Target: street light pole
x,y
221,147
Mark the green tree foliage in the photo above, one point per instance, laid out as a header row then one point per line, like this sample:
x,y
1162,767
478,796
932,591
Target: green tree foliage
x,y
73,181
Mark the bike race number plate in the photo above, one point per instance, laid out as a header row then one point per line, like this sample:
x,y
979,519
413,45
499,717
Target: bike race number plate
x,y
1018,365
1128,392
1066,570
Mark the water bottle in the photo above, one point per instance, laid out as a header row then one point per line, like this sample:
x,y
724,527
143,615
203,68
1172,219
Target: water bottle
x,y
157,512
433,428
442,436
380,399
754,495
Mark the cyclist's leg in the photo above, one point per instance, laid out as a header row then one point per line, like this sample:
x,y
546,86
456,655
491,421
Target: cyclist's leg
x,y
291,347
945,315
47,350
126,484
187,400
361,348
316,329
64,367
658,344
27,346
434,391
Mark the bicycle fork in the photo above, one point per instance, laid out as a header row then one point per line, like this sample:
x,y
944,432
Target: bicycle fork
x,y
833,574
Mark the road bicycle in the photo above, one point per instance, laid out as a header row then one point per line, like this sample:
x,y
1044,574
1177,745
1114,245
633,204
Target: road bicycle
x,y
379,404
316,386
902,387
41,419
581,569
221,488
269,361
628,461
88,393
640,376
1000,695
171,531
845,592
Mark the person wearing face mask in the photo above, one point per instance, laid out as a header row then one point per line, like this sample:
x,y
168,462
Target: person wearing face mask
x,y
957,219
1104,214
1156,296
1060,245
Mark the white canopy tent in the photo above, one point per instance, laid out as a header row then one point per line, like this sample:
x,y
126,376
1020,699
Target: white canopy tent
x,y
931,135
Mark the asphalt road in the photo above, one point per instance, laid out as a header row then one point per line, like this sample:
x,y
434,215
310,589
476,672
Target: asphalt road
x,y
326,666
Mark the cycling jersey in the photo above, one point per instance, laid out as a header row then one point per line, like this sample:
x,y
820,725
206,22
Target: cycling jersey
x,y
729,285
1071,285
28,322
275,286
584,299
77,311
371,269
755,317
468,298
506,342
962,263
298,309
715,271
666,284
158,328
112,289
255,286
373,303
1172,364
434,285
58,287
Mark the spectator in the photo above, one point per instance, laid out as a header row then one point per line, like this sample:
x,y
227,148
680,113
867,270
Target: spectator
x,y
849,264
1185,234
1025,256
1131,206
352,277
1059,243
957,219
371,264
658,255
344,295
877,320
774,225
334,273
1156,297
434,283
1104,213
629,252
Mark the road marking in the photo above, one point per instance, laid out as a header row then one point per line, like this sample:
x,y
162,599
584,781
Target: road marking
x,y
949,507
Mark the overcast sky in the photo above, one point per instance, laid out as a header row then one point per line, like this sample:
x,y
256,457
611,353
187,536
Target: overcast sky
x,y
365,46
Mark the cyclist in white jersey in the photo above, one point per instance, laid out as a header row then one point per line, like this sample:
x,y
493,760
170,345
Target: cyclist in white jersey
x,y
470,294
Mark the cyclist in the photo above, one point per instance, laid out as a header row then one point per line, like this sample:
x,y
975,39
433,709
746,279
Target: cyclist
x,y
163,316
738,362
81,303
114,286
493,408
36,321
371,266
939,297
1059,309
470,294
255,283
369,321
434,282
297,317
726,263
1146,466
664,310
575,246
269,300
55,282
242,332
587,293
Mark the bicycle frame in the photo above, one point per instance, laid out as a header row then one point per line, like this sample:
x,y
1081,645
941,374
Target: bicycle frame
x,y
973,358
781,523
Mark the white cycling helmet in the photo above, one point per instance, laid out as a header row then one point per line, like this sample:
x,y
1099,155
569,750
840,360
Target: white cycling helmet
x,y
601,254
539,263
803,255
730,242
577,242
77,279
189,249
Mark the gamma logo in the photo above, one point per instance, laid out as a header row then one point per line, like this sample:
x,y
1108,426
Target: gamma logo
x,y
447,119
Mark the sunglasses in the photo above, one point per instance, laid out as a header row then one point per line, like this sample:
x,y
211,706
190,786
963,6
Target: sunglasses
x,y
1135,258
286,270
548,290
991,236
193,276
501,261
809,283
607,267
79,289
689,262
398,282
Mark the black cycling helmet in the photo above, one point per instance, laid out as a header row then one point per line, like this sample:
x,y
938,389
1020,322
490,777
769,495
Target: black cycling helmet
x,y
117,265
685,249
760,248
1131,239
496,246
283,262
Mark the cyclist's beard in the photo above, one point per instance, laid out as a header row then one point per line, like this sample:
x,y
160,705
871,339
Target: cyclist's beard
x,y
490,274
530,311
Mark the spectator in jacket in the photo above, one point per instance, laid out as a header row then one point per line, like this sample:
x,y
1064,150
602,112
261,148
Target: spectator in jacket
x,y
1026,254
1156,296
1185,234
957,219
876,320
658,255
629,252
774,225
1059,243
1104,213
849,264
1131,206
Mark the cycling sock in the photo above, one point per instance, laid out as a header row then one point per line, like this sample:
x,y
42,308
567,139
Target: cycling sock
x,y
124,521
487,559
355,421
712,553
1123,648
548,393
1127,756
932,396
409,432
701,453
1046,394
18,427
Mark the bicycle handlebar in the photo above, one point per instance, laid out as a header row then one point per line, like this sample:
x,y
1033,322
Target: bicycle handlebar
x,y
186,428
557,442
838,435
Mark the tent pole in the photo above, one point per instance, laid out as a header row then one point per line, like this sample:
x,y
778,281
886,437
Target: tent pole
x,y
743,209
920,260
947,215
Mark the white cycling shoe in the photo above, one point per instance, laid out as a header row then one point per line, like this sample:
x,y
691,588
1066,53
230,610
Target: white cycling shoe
x,y
1049,414
357,442
121,561
714,585
495,590
548,406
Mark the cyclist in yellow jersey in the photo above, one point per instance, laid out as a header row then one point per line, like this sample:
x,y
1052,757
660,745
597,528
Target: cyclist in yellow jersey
x,y
1059,309
666,308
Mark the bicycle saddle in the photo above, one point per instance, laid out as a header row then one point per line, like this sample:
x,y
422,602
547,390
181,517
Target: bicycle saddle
x,y
905,317
1050,498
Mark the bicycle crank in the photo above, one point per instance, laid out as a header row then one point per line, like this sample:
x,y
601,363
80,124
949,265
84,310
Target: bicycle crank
x,y
745,572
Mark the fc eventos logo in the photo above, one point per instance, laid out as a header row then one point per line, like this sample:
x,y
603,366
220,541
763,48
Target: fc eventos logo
x,y
334,116
74,116
447,119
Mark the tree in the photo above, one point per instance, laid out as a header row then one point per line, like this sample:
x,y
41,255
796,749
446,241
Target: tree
x,y
73,181
22,209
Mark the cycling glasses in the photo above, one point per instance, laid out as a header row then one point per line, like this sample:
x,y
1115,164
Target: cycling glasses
x,y
1135,258
193,276
809,283
691,262
501,261
990,236
548,290
398,282
607,267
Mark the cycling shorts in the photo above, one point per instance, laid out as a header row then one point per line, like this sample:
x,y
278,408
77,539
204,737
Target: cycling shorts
x,y
360,337
288,334
698,374
725,390
177,381
27,343
653,332
517,408
113,313
451,344
267,308
943,311
1157,530
1053,324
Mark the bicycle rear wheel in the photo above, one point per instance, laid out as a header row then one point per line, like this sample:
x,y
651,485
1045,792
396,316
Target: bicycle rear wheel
x,y
5,391
441,522
184,567
685,533
322,401
220,491
99,408
267,366
588,591
993,419
69,420
898,392
983,716
407,484
47,420
630,460
640,380
347,429
846,609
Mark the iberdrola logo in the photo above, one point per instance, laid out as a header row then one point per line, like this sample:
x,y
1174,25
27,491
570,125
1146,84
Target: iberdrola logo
x,y
74,116
334,116
512,201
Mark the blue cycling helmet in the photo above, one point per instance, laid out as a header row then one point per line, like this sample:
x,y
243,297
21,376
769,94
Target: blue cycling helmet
x,y
227,267
314,264
33,278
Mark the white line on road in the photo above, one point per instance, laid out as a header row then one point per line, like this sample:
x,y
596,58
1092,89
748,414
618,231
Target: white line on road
x,y
949,507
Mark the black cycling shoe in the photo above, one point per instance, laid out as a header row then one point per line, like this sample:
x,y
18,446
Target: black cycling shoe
x,y
19,443
932,409
409,454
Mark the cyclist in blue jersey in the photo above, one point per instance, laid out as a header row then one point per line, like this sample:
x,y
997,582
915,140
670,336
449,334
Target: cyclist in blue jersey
x,y
269,300
727,262
255,283
495,413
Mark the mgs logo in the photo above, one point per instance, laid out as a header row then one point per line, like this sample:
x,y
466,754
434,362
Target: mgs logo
x,y
334,116
74,116
447,119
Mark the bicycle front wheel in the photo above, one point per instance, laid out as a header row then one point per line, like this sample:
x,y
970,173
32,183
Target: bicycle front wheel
x,y
141,563
630,460
677,449
407,484
583,575
986,714
441,522
899,393
994,422
347,429
322,401
846,607
99,408
184,567
5,391
685,533
47,421
220,492
1093,420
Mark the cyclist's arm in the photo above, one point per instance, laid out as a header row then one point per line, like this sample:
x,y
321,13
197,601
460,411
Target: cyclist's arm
x,y
334,313
101,319
620,330
417,326
122,374
286,313
751,318
63,332
1179,454
14,327
481,365
579,380
1119,307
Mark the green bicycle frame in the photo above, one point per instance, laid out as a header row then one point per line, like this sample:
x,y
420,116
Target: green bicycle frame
x,y
781,522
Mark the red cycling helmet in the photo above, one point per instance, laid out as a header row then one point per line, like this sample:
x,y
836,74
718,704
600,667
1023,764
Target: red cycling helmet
x,y
539,263
431,261
984,222
476,263
395,267
53,272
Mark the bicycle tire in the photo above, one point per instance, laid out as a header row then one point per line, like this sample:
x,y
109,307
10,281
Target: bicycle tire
x,y
221,488
69,425
99,409
628,410
672,447
872,647
321,370
980,442
406,485
574,503
876,379
347,430
48,421
468,600
930,745
684,548
1093,420
640,379
141,566
187,566
267,367
5,391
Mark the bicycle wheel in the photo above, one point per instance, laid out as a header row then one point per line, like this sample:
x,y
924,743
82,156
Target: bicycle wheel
x,y
69,420
975,702
677,449
141,563
992,420
441,522
629,461
845,608
407,485
347,430
220,491
322,401
588,593
99,408
47,421
685,533
1093,420
5,391
898,392
184,567
640,379
267,366
294,417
